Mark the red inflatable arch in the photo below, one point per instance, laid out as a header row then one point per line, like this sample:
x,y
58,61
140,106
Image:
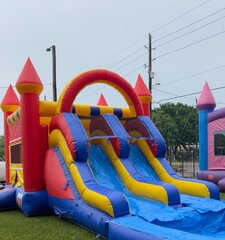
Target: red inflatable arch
x,y
81,81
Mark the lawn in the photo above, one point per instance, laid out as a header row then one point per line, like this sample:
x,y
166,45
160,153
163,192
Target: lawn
x,y
222,196
14,225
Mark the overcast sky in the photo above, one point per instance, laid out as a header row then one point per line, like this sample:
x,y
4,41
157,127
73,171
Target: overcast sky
x,y
112,34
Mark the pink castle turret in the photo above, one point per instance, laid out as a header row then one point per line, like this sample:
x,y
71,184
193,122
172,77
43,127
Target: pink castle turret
x,y
30,86
9,104
206,99
102,101
144,95
205,104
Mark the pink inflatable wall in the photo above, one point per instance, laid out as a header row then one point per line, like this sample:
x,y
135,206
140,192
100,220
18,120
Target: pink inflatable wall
x,y
215,162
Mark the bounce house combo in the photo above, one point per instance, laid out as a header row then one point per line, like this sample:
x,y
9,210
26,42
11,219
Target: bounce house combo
x,y
99,166
211,139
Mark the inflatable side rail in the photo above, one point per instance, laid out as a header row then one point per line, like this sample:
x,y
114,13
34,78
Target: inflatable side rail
x,y
140,127
64,198
143,126
114,140
69,135
90,139
135,139
118,152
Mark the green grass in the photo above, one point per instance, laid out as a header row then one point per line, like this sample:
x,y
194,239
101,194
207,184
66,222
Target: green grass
x,y
14,225
222,196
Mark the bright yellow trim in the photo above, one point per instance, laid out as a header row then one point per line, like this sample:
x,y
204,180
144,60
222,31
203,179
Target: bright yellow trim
x,y
145,99
15,170
86,124
10,119
126,113
106,109
20,178
16,118
29,88
145,190
57,139
9,108
12,177
61,97
83,110
45,120
47,109
93,198
190,188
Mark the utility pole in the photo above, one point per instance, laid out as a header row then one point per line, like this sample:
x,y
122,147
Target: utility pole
x,y
150,74
52,48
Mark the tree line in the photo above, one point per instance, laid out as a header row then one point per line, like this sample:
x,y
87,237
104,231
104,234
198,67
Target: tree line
x,y
178,124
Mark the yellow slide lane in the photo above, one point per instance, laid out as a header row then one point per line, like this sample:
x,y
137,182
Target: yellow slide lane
x,y
186,187
145,190
93,198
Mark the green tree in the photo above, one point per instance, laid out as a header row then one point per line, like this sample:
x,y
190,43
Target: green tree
x,y
1,148
177,124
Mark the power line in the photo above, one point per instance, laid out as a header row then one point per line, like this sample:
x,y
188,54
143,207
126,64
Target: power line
x,y
123,50
179,96
94,91
217,88
171,40
195,74
47,83
5,87
126,57
180,16
133,60
189,94
127,74
154,30
173,94
138,40
180,29
194,30
90,93
189,45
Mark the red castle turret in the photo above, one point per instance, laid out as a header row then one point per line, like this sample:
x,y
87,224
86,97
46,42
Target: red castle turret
x,y
144,95
30,86
9,104
102,101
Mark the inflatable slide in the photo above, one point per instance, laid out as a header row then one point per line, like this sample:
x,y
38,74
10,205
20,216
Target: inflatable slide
x,y
101,167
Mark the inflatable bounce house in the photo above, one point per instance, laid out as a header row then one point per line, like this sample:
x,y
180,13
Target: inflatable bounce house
x,y
99,166
211,139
